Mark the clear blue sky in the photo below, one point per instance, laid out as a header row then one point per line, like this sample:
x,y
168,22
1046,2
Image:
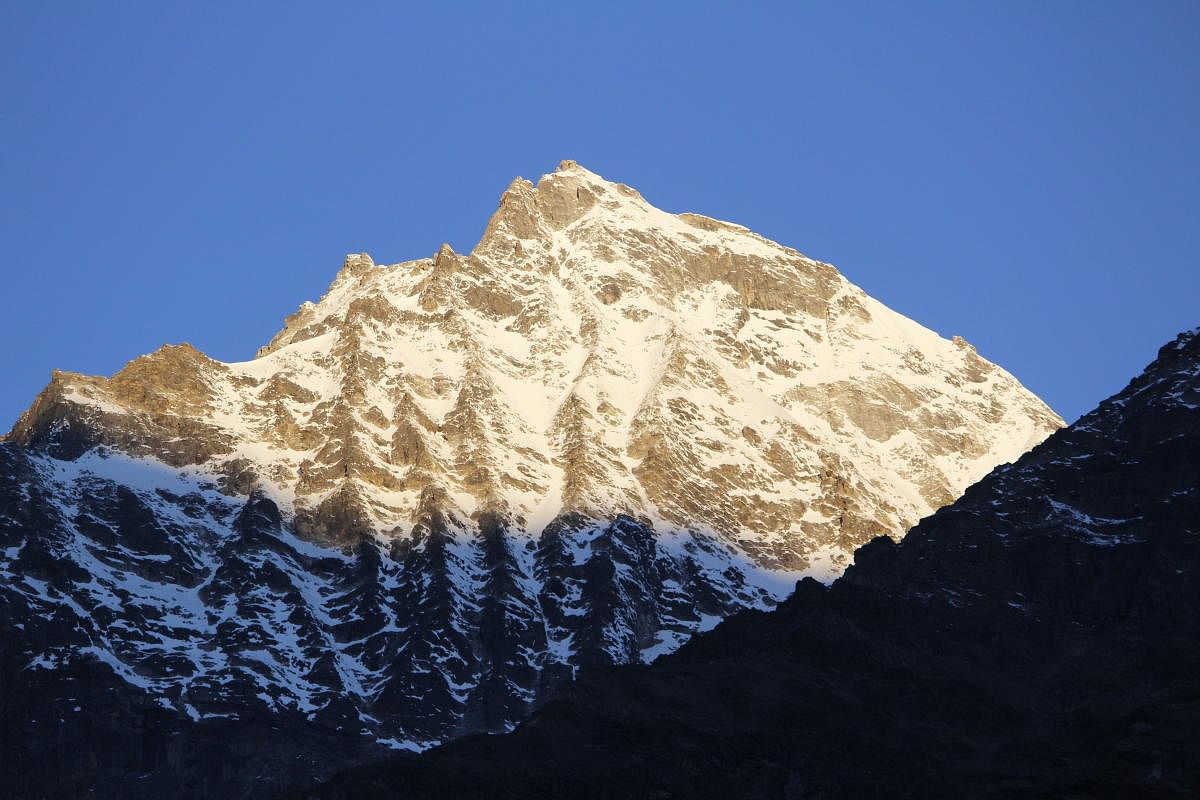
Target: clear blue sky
x,y
1023,174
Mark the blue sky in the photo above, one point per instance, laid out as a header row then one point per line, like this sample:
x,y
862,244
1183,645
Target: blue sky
x,y
1022,174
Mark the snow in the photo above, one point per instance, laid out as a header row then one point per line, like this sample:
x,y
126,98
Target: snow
x,y
404,744
1092,528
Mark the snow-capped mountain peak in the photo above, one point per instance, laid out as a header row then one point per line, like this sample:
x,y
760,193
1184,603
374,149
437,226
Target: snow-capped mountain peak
x,y
453,480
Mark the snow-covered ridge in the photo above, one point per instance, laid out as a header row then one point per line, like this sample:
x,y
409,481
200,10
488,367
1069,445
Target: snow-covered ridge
x,y
602,430
592,353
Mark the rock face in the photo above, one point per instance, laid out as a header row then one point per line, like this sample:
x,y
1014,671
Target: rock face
x,y
451,483
1038,638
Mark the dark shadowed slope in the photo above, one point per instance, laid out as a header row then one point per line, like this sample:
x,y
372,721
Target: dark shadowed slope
x,y
1038,638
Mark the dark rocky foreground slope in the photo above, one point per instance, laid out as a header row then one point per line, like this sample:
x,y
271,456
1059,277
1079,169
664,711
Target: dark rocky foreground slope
x,y
1038,638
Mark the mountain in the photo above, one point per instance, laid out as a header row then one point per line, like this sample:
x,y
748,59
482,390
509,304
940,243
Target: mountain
x,y
1038,638
452,483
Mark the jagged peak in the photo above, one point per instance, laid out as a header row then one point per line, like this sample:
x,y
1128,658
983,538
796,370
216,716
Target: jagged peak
x,y
184,350
1180,342
1170,379
353,267
444,253
530,210
357,263
571,168
579,175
